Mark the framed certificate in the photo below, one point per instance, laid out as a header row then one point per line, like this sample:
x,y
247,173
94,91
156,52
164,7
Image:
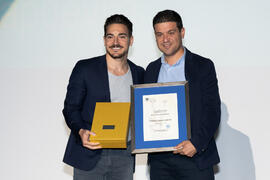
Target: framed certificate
x,y
159,116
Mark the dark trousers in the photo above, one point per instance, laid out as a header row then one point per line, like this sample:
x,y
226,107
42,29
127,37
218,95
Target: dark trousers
x,y
169,166
114,164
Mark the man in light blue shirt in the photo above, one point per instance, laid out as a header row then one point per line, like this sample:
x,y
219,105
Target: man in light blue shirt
x,y
192,159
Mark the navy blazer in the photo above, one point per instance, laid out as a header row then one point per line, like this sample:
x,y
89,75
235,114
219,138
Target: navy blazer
x,y
88,84
204,105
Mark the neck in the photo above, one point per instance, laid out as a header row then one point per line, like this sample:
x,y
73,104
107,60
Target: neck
x,y
171,60
117,66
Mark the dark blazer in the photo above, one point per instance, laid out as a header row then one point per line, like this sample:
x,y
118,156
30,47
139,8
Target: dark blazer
x,y
88,84
204,105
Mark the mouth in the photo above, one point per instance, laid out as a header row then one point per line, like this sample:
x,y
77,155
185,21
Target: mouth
x,y
116,47
166,45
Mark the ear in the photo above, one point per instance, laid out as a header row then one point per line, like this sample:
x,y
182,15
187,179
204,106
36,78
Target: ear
x,y
131,39
183,33
104,40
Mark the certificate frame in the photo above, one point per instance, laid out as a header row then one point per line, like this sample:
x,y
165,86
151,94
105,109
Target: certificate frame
x,y
138,142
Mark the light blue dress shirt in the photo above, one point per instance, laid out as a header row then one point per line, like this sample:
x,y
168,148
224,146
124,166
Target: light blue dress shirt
x,y
172,73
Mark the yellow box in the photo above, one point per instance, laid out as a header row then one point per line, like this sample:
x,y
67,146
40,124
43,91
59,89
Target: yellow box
x,y
111,124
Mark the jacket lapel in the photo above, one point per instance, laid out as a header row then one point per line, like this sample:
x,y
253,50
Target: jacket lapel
x,y
188,65
133,72
156,70
103,71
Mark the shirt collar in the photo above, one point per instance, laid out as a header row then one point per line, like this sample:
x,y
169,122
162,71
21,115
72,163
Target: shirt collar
x,y
178,62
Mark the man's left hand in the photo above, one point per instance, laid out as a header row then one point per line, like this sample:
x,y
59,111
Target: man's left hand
x,y
185,148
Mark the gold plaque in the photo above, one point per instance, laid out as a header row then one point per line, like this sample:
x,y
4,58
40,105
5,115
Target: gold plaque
x,y
111,124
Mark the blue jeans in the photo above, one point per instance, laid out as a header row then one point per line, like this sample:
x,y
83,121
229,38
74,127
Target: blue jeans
x,y
114,164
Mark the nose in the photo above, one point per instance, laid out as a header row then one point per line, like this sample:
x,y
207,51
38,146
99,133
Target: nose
x,y
165,38
116,41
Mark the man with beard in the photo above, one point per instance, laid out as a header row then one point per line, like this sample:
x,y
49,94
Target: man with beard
x,y
105,78
193,159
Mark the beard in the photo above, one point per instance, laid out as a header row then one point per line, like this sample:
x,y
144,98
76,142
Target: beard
x,y
116,56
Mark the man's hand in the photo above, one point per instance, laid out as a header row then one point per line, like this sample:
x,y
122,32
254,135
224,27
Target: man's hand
x,y
185,148
85,134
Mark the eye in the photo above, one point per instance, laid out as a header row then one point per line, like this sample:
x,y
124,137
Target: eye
x,y
123,36
171,32
109,36
158,34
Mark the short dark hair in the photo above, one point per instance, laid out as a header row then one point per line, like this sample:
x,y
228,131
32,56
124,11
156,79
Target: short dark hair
x,y
168,16
118,19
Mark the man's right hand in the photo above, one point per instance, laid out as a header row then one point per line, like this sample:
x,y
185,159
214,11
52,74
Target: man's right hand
x,y
85,134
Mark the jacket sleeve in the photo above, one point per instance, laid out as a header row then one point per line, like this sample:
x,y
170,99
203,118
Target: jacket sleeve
x,y
76,92
210,101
